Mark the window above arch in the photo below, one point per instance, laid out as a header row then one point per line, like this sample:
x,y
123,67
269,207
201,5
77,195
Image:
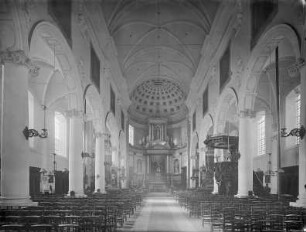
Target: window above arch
x,y
261,133
131,135
60,134
31,115
292,115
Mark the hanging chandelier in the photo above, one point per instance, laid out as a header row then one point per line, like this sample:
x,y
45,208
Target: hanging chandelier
x,y
28,133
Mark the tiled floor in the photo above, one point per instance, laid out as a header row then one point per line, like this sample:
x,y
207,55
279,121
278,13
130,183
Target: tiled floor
x,y
160,212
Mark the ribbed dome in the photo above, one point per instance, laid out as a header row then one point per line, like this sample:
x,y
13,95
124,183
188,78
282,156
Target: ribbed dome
x,y
158,97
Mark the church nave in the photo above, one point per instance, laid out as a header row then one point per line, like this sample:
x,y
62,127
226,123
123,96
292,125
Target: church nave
x,y
197,107
160,212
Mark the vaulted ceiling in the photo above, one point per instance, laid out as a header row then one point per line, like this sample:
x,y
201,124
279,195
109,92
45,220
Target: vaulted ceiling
x,y
159,40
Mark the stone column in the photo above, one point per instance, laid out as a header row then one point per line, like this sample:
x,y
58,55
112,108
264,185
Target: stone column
x,y
301,202
245,169
167,164
99,163
14,117
148,164
189,152
75,152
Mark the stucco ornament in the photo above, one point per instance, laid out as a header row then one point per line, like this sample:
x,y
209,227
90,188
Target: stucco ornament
x,y
19,57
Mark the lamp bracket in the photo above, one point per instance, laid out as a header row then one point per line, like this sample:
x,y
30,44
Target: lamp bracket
x,y
28,133
87,155
298,132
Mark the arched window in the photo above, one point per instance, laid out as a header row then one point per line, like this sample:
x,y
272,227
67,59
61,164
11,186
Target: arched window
x,y
261,133
31,115
298,114
60,134
292,116
131,135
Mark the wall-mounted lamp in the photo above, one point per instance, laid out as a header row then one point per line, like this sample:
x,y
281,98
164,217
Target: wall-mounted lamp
x,y
43,171
108,163
28,133
87,155
298,132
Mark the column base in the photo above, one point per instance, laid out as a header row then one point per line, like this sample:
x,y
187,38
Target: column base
x,y
77,195
239,195
100,191
16,202
301,202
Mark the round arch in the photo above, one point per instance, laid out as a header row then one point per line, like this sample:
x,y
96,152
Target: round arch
x,y
93,102
111,126
206,126
49,49
227,110
260,56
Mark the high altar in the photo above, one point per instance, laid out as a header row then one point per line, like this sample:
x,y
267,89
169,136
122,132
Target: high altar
x,y
157,152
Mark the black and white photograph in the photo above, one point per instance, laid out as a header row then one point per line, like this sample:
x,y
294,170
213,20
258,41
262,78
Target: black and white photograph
x,y
152,115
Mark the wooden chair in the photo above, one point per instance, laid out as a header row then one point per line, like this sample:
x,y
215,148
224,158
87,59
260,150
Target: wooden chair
x,y
241,221
205,213
217,222
276,222
67,228
41,227
293,222
12,219
14,227
228,218
89,223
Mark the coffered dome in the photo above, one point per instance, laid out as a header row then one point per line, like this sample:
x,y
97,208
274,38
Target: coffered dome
x,y
158,98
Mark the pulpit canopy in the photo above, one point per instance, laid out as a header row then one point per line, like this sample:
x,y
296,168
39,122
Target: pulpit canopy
x,y
222,141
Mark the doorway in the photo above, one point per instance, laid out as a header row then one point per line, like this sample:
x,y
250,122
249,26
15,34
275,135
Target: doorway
x,y
61,183
34,181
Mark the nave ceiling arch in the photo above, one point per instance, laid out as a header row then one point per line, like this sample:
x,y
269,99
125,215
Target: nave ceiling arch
x,y
58,76
263,55
94,108
227,112
159,42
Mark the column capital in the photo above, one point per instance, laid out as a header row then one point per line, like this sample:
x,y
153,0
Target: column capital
x,y
247,113
74,113
294,69
106,135
98,134
19,57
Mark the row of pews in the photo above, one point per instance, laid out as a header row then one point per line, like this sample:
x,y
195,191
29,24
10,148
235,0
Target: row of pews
x,y
228,213
100,212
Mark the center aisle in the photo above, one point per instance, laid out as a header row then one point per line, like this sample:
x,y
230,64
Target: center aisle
x,y
162,213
